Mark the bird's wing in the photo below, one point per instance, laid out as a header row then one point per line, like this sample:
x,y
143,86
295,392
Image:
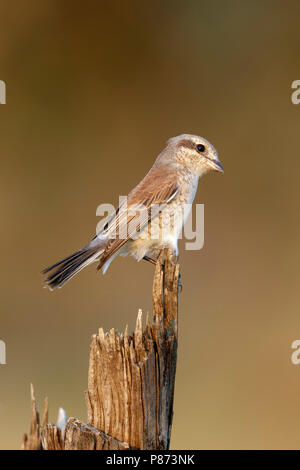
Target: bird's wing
x,y
144,203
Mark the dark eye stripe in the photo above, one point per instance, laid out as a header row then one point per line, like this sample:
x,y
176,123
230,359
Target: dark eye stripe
x,y
191,145
188,144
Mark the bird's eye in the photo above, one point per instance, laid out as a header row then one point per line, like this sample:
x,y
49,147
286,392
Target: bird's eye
x,y
200,148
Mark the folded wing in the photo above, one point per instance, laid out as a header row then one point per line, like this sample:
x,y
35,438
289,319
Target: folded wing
x,y
144,203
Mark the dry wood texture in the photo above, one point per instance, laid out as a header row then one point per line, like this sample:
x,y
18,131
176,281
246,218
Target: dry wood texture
x,y
130,382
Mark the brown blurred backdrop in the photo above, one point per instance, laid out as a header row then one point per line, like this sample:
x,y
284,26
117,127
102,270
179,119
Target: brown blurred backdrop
x,y
94,89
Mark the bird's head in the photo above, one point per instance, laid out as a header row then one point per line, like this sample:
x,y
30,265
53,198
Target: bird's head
x,y
195,153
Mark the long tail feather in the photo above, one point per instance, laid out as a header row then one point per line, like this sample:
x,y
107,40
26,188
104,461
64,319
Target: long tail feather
x,y
64,270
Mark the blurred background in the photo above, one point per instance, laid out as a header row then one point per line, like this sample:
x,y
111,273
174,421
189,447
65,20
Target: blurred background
x,y
94,89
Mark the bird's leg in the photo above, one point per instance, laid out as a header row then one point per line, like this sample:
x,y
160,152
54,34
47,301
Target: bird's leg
x,y
146,258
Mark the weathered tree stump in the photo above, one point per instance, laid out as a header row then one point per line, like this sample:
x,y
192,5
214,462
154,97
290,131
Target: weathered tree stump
x,y
130,382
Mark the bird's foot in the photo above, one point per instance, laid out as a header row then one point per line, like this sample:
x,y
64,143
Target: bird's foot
x,y
152,261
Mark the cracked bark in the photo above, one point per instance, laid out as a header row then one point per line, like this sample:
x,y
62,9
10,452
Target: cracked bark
x,y
130,381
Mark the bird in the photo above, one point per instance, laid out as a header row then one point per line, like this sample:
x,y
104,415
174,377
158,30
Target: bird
x,y
153,214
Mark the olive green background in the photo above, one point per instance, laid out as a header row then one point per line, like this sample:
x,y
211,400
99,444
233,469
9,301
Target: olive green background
x,y
94,89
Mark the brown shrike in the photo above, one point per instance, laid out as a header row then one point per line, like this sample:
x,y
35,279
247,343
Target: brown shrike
x,y
154,213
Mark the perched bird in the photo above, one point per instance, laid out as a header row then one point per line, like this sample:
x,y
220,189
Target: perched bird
x,y
153,215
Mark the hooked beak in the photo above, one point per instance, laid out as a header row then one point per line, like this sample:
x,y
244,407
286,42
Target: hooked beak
x,y
215,165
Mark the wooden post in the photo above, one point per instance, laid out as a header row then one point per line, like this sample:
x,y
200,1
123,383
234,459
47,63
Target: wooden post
x,y
130,382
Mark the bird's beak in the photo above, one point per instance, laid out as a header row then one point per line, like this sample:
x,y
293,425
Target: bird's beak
x,y
216,165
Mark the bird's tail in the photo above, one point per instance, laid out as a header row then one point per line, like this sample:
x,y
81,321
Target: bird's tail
x,y
61,272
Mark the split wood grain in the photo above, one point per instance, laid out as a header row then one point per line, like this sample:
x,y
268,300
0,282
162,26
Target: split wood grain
x,y
131,378
131,381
